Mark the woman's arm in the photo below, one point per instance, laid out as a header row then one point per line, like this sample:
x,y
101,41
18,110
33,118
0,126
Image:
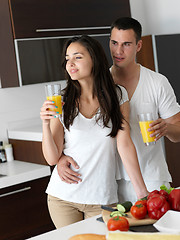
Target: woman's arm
x,y
53,134
128,155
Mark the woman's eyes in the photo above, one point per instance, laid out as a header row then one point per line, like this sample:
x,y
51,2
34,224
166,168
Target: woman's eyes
x,y
77,57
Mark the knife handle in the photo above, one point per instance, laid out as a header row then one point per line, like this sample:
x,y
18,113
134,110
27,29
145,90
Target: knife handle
x,y
108,208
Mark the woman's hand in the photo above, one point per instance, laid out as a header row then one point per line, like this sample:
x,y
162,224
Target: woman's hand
x,y
53,133
45,113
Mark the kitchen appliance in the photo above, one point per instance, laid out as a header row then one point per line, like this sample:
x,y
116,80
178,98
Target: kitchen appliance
x,y
39,59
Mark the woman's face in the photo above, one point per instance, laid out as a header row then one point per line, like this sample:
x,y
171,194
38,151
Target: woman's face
x,y
79,63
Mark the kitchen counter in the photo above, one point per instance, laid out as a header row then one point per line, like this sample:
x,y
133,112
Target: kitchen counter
x,y
90,225
30,130
15,172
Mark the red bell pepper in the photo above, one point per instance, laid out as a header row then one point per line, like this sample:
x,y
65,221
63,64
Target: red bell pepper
x,y
152,193
174,199
157,205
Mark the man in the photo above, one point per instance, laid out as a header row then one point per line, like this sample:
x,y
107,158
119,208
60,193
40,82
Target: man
x,y
148,92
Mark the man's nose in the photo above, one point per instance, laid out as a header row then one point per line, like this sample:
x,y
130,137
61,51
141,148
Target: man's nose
x,y
119,49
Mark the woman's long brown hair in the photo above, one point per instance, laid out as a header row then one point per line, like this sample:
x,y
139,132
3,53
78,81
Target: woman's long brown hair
x,y
103,87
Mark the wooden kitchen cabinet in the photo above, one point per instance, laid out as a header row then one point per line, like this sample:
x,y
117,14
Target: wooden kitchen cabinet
x,y
22,18
8,67
161,53
28,151
30,15
24,211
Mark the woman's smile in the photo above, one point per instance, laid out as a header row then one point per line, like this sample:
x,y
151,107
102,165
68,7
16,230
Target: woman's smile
x,y
78,62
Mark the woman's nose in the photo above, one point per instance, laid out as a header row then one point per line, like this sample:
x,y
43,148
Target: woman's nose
x,y
70,62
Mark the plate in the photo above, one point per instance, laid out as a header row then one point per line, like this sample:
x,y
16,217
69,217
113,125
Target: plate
x,y
169,222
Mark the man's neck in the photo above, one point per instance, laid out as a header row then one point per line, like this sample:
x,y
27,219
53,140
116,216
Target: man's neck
x,y
127,77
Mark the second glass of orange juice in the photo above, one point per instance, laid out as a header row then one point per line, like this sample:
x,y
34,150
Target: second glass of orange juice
x,y
53,93
144,120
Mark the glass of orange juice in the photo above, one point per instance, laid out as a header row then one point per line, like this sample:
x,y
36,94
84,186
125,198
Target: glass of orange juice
x,y
144,120
53,93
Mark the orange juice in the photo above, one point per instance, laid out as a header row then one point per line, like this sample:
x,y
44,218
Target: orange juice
x,y
57,102
144,125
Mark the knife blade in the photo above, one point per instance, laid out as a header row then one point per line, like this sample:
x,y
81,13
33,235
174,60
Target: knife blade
x,y
108,208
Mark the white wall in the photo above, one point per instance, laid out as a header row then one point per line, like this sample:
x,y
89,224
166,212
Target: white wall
x,y
156,17
20,103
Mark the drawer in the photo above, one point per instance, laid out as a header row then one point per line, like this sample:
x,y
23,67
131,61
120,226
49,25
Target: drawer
x,y
24,211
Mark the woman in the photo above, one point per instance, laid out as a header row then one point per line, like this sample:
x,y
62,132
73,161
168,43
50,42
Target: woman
x,y
93,126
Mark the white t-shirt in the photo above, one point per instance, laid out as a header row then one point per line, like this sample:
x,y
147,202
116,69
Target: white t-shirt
x,y
153,94
88,144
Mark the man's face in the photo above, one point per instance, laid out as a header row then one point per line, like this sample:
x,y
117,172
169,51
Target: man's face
x,y
123,47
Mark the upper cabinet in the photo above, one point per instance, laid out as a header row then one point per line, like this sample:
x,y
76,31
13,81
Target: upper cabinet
x,y
161,54
32,18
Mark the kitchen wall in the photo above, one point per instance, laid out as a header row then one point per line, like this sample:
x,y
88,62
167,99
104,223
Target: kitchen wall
x,y
157,16
21,103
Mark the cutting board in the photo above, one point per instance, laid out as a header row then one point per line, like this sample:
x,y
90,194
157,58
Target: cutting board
x,y
132,221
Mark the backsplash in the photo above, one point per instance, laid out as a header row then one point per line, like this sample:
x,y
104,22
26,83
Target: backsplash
x,y
20,103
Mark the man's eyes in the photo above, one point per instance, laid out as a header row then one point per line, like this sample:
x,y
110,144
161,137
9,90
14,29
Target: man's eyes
x,y
114,43
127,44
124,44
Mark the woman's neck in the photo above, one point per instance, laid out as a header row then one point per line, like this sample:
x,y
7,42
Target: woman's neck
x,y
86,89
88,103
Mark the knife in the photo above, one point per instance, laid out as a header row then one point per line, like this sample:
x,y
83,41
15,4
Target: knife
x,y
108,208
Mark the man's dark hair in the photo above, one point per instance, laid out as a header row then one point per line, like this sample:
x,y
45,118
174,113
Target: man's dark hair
x,y
126,23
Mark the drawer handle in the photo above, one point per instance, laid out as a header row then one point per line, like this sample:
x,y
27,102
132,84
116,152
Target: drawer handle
x,y
72,29
14,192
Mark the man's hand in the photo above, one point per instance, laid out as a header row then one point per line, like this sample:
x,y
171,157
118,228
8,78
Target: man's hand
x,y
65,172
159,127
169,127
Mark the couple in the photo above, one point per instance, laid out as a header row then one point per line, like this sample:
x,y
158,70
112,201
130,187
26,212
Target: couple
x,y
96,120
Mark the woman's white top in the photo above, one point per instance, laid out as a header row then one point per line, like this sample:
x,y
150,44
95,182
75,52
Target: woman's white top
x,y
88,144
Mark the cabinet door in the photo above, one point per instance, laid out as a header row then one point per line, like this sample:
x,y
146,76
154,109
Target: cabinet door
x,y
167,51
172,156
8,68
24,211
28,151
28,16
146,56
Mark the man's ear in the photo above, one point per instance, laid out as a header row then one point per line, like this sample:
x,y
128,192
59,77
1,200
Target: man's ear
x,y
139,46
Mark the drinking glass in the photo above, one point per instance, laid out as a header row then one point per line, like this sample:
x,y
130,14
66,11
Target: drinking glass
x,y
144,120
53,93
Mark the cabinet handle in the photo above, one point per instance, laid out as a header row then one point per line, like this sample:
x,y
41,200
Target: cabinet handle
x,y
16,191
72,29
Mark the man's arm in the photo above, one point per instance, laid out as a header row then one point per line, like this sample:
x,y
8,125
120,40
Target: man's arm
x,y
65,172
169,127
